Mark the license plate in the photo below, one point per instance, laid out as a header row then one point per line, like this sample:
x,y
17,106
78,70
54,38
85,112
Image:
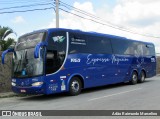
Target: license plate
x,y
23,91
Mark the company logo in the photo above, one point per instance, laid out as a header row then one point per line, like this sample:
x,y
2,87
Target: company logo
x,y
75,60
59,39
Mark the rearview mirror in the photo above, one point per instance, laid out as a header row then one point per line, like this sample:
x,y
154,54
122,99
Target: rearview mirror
x,y
4,54
37,48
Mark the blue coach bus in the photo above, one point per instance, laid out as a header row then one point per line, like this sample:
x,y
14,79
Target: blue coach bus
x,y
64,60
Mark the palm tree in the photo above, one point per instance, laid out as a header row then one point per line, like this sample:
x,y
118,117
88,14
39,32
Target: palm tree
x,y
4,32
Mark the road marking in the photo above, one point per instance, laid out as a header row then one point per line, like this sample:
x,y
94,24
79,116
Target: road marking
x,y
114,94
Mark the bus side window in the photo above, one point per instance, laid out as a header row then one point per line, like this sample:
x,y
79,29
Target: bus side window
x,y
151,50
77,43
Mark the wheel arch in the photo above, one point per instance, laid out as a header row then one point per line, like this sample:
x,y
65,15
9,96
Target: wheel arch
x,y
139,77
144,72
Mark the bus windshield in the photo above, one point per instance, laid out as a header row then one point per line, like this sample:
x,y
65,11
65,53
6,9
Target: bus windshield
x,y
24,63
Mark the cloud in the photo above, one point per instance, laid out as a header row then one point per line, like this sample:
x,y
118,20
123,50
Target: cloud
x,y
71,21
18,20
133,11
141,16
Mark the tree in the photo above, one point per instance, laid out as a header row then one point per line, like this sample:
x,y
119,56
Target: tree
x,y
5,44
4,32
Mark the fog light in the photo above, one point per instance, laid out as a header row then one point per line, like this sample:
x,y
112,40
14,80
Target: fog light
x,y
37,83
13,84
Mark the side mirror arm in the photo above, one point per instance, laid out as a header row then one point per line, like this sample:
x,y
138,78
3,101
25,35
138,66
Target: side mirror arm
x,y
38,46
4,54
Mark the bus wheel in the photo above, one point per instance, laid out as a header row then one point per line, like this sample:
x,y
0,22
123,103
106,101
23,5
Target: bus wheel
x,y
134,78
142,77
75,86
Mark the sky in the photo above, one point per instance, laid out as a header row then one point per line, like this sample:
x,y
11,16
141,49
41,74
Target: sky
x,y
139,16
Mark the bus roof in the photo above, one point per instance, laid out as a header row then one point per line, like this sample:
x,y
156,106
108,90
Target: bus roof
x,y
85,33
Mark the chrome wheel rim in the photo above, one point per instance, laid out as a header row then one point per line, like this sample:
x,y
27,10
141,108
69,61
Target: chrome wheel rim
x,y
75,86
134,77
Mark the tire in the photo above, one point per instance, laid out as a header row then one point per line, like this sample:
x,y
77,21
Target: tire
x,y
75,86
134,78
142,77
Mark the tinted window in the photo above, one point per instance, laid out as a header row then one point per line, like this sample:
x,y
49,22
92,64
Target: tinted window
x,y
77,43
130,47
99,45
89,44
133,48
149,49
56,51
122,46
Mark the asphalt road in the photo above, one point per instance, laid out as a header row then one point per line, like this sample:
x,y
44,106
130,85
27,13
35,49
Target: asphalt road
x,y
143,96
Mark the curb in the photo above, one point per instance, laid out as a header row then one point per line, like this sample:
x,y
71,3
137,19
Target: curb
x,y
7,94
12,94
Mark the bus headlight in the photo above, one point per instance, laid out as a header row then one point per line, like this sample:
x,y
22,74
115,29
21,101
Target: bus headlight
x,y
14,80
37,83
13,84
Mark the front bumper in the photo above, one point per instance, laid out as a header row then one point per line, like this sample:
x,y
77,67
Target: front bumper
x,y
29,90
